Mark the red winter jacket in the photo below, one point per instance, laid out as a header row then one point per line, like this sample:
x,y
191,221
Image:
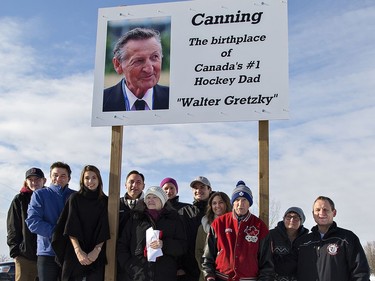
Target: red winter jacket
x,y
238,250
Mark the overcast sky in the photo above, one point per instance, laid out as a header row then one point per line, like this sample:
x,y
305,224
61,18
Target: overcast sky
x,y
47,52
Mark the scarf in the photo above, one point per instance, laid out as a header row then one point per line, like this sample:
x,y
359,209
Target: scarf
x,y
154,214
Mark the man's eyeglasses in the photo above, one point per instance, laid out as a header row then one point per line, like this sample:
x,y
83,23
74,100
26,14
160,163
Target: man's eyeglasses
x,y
289,217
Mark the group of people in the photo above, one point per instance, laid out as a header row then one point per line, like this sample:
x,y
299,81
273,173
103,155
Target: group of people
x,y
56,233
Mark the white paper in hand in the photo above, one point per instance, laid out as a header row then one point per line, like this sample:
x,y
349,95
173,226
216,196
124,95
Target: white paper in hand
x,y
152,235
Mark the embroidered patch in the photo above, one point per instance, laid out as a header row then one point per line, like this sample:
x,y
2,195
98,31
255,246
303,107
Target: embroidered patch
x,y
227,230
332,249
251,234
241,193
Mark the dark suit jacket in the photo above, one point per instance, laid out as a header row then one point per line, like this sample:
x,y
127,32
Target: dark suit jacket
x,y
113,99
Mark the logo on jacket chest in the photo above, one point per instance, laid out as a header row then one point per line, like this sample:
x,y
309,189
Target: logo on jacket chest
x,y
251,234
332,249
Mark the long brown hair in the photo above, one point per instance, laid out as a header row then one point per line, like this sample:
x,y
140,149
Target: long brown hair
x,y
94,169
210,213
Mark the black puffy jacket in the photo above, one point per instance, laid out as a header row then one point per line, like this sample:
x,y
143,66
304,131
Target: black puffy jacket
x,y
131,259
20,240
282,254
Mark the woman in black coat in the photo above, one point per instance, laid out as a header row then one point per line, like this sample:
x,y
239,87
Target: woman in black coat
x,y
82,230
282,238
132,256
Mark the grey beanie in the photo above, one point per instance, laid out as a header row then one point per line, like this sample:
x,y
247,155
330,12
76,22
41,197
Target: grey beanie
x,y
298,211
159,192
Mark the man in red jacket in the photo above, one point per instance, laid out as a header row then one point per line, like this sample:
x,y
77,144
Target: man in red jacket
x,y
237,244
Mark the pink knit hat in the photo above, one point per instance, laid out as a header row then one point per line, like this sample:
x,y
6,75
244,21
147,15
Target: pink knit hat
x,y
171,180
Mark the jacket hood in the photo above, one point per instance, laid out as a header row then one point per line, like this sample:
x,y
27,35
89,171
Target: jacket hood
x,y
25,189
205,224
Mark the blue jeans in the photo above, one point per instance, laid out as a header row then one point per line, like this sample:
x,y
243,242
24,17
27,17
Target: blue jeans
x,y
48,269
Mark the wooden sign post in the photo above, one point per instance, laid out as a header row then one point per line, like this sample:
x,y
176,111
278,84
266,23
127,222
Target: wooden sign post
x,y
114,200
264,171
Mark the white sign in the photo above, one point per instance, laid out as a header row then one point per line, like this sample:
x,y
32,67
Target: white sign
x,y
224,60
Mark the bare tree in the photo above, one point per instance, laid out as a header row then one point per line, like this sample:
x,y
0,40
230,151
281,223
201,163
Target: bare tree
x,y
370,254
274,215
4,258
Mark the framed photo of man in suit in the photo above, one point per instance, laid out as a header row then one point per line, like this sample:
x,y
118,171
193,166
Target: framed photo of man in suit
x,y
137,65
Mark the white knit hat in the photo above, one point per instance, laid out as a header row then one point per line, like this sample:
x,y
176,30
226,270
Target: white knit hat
x,y
159,192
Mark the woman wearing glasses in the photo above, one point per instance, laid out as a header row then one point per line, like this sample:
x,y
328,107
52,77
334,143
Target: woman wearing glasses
x,y
282,238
